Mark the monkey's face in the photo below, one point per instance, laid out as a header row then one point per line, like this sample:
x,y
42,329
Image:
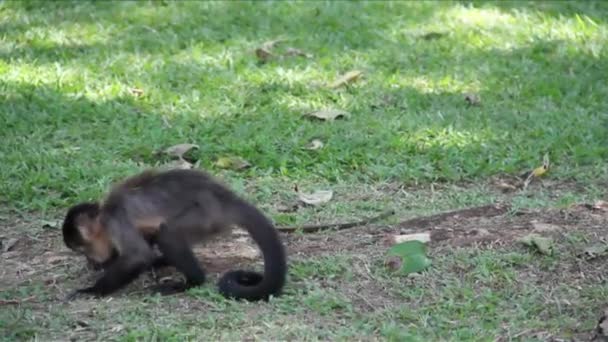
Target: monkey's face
x,y
83,233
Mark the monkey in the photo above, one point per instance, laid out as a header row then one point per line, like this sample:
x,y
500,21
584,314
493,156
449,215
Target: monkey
x,y
171,210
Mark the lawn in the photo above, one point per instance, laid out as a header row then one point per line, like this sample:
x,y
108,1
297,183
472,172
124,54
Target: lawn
x,y
455,99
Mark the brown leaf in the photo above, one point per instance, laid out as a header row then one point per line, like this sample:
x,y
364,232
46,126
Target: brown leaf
x,y
544,227
181,164
314,144
284,208
329,114
600,205
395,239
505,187
347,78
136,92
472,99
8,244
316,198
263,55
269,45
296,52
179,150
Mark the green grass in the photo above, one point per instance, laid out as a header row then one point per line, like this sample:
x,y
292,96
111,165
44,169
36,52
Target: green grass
x,y
69,126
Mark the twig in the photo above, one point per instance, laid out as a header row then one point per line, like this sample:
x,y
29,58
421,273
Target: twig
x,y
16,301
338,226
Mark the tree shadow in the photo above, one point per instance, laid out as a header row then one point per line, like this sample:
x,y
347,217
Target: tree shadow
x,y
540,92
146,29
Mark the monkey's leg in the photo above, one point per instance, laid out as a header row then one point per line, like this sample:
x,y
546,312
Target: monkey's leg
x,y
177,252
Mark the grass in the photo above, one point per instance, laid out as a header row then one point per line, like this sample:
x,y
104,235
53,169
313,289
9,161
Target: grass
x,y
70,125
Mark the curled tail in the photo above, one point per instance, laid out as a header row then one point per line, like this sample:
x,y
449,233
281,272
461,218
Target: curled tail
x,y
252,285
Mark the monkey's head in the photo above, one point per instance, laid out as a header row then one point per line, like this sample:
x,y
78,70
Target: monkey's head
x,y
83,233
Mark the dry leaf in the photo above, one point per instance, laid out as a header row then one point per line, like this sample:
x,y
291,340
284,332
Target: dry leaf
x,y
314,144
505,187
544,227
349,77
8,244
263,55
600,205
472,99
136,91
181,164
317,197
55,259
284,208
329,114
179,150
542,244
395,239
269,45
594,251
296,52
117,328
49,224
233,163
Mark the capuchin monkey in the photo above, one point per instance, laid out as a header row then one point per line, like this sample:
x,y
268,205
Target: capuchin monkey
x,y
171,210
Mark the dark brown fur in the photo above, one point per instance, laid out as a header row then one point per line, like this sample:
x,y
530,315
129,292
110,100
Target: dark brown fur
x,y
172,210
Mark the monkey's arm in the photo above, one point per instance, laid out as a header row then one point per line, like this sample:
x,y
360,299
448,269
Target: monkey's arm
x,y
135,256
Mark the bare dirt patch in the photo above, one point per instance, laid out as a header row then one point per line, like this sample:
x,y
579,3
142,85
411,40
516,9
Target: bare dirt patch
x,y
40,259
43,258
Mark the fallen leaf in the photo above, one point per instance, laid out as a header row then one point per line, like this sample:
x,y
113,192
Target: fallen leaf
x,y
601,330
543,244
472,99
117,328
283,208
233,163
269,45
594,251
329,114
505,187
263,55
422,237
600,205
180,164
347,78
56,259
412,254
544,227
314,144
49,224
317,197
136,91
296,52
179,150
8,244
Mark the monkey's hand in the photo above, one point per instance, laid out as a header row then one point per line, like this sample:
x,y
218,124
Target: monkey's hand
x,y
169,288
